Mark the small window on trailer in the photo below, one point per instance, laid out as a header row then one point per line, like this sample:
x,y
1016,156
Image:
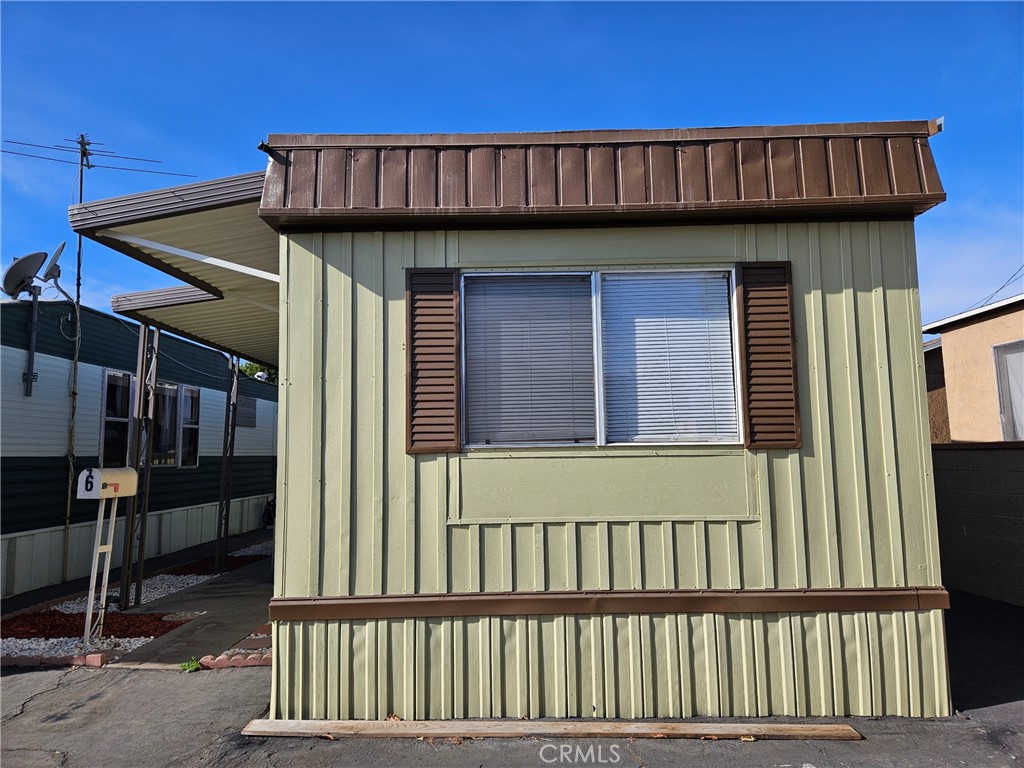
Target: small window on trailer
x,y
117,411
245,415
189,427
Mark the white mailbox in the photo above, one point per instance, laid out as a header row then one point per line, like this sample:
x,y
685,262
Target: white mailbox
x,y
107,483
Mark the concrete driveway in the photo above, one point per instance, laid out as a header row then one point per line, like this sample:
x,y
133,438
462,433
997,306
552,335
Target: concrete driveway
x,y
137,718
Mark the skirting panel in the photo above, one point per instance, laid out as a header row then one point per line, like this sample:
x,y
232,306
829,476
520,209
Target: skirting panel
x,y
616,666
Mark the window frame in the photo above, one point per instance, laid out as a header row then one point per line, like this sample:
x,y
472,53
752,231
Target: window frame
x,y
600,440
182,426
1003,394
130,420
177,425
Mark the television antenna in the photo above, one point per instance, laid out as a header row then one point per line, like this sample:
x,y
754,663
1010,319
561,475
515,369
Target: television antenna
x,y
87,152
20,277
84,148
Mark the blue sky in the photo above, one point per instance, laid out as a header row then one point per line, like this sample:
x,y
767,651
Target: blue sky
x,y
198,85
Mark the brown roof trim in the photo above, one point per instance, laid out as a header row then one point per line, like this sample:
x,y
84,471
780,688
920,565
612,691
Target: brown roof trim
x,y
623,601
354,220
161,203
604,136
615,177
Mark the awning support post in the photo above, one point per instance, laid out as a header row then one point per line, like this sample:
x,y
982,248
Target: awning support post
x,y
227,466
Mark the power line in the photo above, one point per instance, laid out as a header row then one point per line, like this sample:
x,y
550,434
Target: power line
x,y
103,152
988,298
94,165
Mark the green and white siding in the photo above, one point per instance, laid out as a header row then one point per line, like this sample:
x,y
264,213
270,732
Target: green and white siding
x,y
853,507
34,443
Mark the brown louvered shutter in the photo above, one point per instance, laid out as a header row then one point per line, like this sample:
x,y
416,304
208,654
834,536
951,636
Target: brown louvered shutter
x,y
432,360
768,355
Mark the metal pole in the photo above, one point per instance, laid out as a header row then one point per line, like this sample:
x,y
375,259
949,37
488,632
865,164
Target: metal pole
x,y
33,326
144,516
138,436
227,466
83,163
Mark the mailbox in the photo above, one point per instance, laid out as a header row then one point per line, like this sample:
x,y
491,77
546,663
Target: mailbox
x,y
107,483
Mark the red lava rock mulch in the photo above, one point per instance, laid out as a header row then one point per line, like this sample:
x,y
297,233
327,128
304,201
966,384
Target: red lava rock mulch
x,y
208,565
57,624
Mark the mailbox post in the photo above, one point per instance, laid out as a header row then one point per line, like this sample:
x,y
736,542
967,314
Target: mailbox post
x,y
103,484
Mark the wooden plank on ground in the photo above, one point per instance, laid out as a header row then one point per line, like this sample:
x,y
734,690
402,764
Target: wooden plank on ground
x,y
593,729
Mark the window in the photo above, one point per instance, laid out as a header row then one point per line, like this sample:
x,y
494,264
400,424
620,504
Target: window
x,y
1010,381
245,413
556,358
165,425
667,351
189,427
665,372
117,398
529,358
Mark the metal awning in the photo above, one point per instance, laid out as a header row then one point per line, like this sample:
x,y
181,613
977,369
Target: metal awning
x,y
210,236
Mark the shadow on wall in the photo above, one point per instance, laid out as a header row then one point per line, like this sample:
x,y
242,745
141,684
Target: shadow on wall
x,y
986,666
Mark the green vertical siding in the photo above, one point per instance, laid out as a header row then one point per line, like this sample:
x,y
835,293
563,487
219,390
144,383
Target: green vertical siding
x,y
853,507
621,666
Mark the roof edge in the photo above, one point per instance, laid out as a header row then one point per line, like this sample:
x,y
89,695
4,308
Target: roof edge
x,y
923,128
160,297
948,323
671,214
169,201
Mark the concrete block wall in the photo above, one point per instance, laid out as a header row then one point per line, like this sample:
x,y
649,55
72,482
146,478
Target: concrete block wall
x,y
979,498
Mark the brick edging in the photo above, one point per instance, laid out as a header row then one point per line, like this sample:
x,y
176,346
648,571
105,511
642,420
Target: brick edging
x,y
85,660
236,660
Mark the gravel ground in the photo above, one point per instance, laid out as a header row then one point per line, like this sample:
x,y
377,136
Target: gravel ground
x,y
67,646
153,588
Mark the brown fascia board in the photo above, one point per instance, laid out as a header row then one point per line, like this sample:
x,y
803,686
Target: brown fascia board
x,y
734,211
921,128
95,215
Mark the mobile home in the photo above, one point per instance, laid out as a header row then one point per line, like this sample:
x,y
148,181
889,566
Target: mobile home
x,y
588,424
39,518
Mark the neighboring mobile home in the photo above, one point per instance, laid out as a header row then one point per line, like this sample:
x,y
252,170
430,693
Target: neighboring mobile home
x,y
188,440
594,424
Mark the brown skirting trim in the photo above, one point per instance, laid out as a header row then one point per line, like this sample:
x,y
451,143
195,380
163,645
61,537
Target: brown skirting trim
x,y
621,601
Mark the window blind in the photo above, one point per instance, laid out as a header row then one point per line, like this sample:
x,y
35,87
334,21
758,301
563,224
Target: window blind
x,y
668,358
529,357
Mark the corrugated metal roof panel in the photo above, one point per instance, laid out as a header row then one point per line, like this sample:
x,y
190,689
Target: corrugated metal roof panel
x,y
171,201
415,181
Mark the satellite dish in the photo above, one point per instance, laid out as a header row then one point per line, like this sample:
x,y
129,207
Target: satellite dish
x,y
19,276
53,268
